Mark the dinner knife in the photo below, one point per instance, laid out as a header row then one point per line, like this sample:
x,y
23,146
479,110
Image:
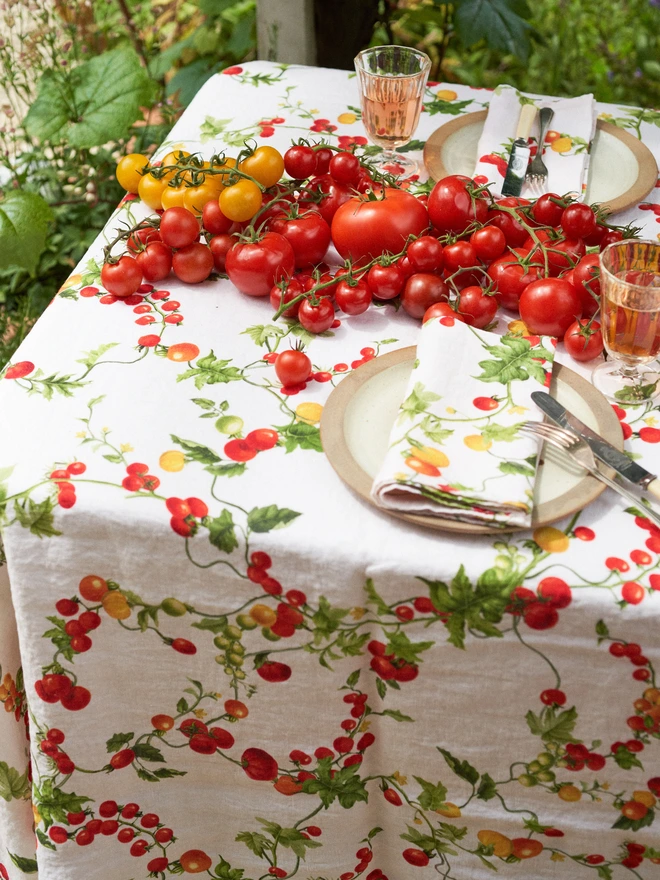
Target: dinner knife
x,y
604,451
520,153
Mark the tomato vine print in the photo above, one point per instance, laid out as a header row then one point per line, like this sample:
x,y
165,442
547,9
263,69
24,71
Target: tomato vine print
x,y
207,618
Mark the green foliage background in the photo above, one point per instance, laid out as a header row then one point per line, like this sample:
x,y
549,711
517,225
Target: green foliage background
x,y
84,83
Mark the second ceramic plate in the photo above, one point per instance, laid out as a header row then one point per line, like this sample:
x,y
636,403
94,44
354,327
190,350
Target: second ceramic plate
x,y
359,414
622,170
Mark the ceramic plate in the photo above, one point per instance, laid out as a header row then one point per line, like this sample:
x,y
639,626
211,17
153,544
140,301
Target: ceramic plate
x,y
360,413
622,170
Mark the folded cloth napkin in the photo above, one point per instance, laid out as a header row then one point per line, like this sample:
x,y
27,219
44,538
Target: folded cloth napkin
x,y
456,449
566,148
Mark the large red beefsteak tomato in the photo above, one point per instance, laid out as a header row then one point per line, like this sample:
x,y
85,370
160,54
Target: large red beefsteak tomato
x,y
368,227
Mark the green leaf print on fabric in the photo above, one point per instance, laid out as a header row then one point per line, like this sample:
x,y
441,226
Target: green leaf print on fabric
x,y
265,519
12,783
553,726
210,370
27,866
37,517
222,532
417,402
462,769
345,786
433,796
513,360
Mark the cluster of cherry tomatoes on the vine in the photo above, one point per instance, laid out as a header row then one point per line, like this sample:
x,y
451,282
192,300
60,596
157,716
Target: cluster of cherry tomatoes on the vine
x,y
66,491
128,823
455,249
540,610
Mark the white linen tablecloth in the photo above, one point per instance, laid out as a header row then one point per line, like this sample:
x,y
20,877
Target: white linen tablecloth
x,y
485,732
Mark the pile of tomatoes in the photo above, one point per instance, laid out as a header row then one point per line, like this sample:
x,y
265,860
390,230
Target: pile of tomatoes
x,y
267,220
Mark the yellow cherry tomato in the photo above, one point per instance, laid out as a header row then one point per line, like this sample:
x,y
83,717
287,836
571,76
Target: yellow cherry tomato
x,y
569,793
266,165
195,197
175,157
347,118
561,145
150,190
128,171
446,95
263,615
172,460
431,456
501,844
551,540
477,442
115,605
241,201
644,797
173,196
309,412
449,810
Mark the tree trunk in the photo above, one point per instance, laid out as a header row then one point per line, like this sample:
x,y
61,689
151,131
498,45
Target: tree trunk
x,y
343,28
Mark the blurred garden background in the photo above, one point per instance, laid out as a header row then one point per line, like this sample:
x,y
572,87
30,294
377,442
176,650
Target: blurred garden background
x,y
84,81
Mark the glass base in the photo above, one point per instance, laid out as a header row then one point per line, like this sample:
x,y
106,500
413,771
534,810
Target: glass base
x,y
621,383
398,164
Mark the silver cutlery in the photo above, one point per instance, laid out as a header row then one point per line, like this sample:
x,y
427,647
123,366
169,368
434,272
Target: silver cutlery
x,y
579,451
520,152
537,173
604,451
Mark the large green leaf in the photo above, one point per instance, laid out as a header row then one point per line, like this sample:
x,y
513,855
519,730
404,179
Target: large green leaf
x,y
24,219
99,102
499,22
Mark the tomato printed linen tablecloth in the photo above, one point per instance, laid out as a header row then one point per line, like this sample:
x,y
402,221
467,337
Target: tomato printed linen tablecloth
x,y
216,660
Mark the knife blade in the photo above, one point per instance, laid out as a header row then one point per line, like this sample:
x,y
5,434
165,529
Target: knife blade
x,y
520,153
604,451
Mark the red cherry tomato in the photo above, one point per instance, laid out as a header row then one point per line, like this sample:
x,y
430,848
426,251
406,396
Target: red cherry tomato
x,y
511,277
578,221
293,367
586,280
584,346
193,263
316,318
441,310
123,277
308,235
155,261
476,308
220,245
353,299
323,157
141,238
610,237
459,255
334,195
300,162
364,228
213,220
452,207
345,168
549,306
426,254
514,232
292,289
386,282
546,211
489,243
178,227
254,267
422,291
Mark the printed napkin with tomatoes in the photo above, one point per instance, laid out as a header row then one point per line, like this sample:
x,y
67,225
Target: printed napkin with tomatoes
x,y
565,148
456,449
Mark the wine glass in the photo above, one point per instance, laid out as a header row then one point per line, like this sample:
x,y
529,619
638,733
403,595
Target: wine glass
x,y
392,81
630,319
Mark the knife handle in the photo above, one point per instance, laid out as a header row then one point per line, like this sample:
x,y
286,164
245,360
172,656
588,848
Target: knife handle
x,y
630,496
653,488
525,122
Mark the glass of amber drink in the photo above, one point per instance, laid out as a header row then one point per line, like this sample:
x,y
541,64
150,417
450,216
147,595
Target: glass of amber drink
x,y
392,80
630,319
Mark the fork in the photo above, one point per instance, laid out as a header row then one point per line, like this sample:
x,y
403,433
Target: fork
x,y
579,451
537,173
